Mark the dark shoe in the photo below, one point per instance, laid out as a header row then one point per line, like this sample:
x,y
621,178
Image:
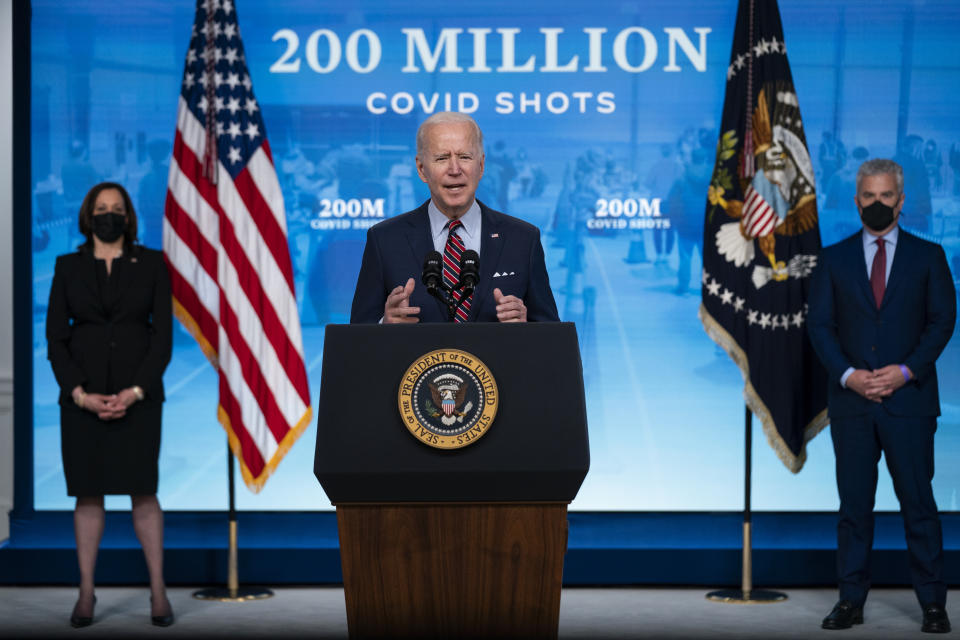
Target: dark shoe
x,y
935,619
843,616
77,621
164,620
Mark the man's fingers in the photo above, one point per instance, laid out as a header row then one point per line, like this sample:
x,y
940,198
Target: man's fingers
x,y
509,312
408,288
406,311
401,313
396,295
497,295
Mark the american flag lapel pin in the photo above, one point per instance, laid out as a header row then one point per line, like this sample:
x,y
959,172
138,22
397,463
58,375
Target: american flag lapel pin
x,y
494,235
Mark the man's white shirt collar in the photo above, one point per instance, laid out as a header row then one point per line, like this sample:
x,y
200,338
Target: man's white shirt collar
x,y
889,237
438,223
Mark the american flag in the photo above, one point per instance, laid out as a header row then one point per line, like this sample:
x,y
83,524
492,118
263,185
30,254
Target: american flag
x,y
225,241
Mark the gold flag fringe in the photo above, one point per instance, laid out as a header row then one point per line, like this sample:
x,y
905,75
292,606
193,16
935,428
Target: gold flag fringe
x,y
254,483
793,462
191,325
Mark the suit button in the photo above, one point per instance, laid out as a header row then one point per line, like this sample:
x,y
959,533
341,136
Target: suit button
x,y
112,344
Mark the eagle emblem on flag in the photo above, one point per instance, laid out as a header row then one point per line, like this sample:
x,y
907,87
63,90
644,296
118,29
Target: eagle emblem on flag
x,y
778,200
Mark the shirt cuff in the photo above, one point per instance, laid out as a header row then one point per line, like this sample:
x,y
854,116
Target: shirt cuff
x,y
906,372
846,374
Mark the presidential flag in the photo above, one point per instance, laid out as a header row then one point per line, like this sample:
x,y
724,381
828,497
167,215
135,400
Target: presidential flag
x,y
225,241
761,239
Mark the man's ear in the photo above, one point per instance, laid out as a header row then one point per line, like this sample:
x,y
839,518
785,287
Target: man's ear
x,y
419,164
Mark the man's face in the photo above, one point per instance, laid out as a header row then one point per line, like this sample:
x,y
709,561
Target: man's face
x,y
882,187
451,164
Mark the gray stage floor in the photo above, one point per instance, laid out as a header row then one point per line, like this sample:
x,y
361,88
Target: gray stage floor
x,y
318,612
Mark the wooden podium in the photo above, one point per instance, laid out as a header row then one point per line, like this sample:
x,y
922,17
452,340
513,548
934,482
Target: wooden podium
x,y
462,543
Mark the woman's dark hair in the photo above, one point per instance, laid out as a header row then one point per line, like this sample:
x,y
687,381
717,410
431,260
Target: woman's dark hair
x,y
86,215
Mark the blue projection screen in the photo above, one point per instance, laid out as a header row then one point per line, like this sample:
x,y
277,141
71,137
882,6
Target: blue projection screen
x,y
591,112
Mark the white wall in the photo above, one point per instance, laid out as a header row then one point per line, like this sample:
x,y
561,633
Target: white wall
x,y
6,266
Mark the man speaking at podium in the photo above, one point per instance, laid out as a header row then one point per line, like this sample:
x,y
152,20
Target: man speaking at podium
x,y
424,265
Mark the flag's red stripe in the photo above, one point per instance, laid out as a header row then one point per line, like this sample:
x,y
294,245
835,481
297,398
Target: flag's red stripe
x,y
192,168
760,218
250,282
763,218
273,329
751,203
185,294
190,234
252,374
767,227
266,149
270,231
251,454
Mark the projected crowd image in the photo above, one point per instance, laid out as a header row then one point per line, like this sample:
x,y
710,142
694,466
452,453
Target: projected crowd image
x,y
601,123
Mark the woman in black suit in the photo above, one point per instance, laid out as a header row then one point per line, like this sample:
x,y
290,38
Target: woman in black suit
x,y
108,340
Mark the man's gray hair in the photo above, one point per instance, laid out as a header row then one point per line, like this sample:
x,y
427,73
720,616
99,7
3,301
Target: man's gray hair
x,y
881,166
448,117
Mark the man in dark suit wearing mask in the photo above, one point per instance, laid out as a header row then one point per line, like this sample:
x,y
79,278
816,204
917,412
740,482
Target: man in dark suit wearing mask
x,y
512,286
882,309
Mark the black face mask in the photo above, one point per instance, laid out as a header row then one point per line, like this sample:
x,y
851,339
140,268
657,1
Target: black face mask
x,y
108,227
877,216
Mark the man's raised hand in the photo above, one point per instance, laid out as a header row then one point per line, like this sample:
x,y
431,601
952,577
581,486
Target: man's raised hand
x,y
397,308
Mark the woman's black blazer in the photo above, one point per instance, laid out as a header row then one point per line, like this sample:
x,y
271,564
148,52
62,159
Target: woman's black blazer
x,y
132,340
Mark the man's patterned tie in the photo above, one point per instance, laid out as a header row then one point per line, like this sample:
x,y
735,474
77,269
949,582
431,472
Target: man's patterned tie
x,y
451,269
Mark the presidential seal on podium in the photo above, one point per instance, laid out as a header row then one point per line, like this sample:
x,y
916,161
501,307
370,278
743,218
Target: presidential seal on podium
x,y
448,398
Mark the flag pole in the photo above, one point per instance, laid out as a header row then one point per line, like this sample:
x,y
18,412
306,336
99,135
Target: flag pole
x,y
746,594
232,592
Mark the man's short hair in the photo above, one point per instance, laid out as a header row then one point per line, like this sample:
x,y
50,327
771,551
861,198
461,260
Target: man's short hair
x,y
445,117
881,166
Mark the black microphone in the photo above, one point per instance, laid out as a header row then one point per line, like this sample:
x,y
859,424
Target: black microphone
x,y
469,271
432,273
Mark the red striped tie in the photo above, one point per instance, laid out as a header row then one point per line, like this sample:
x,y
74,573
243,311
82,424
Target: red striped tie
x,y
451,269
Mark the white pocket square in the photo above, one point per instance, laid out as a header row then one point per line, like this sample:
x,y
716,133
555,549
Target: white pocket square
x,y
497,274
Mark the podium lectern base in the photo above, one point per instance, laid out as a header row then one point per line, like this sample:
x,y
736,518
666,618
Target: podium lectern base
x,y
452,570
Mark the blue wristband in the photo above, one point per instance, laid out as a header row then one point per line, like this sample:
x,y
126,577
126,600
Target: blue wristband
x,y
906,372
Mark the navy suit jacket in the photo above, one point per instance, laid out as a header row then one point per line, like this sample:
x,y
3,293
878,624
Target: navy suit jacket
x,y
912,326
397,247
